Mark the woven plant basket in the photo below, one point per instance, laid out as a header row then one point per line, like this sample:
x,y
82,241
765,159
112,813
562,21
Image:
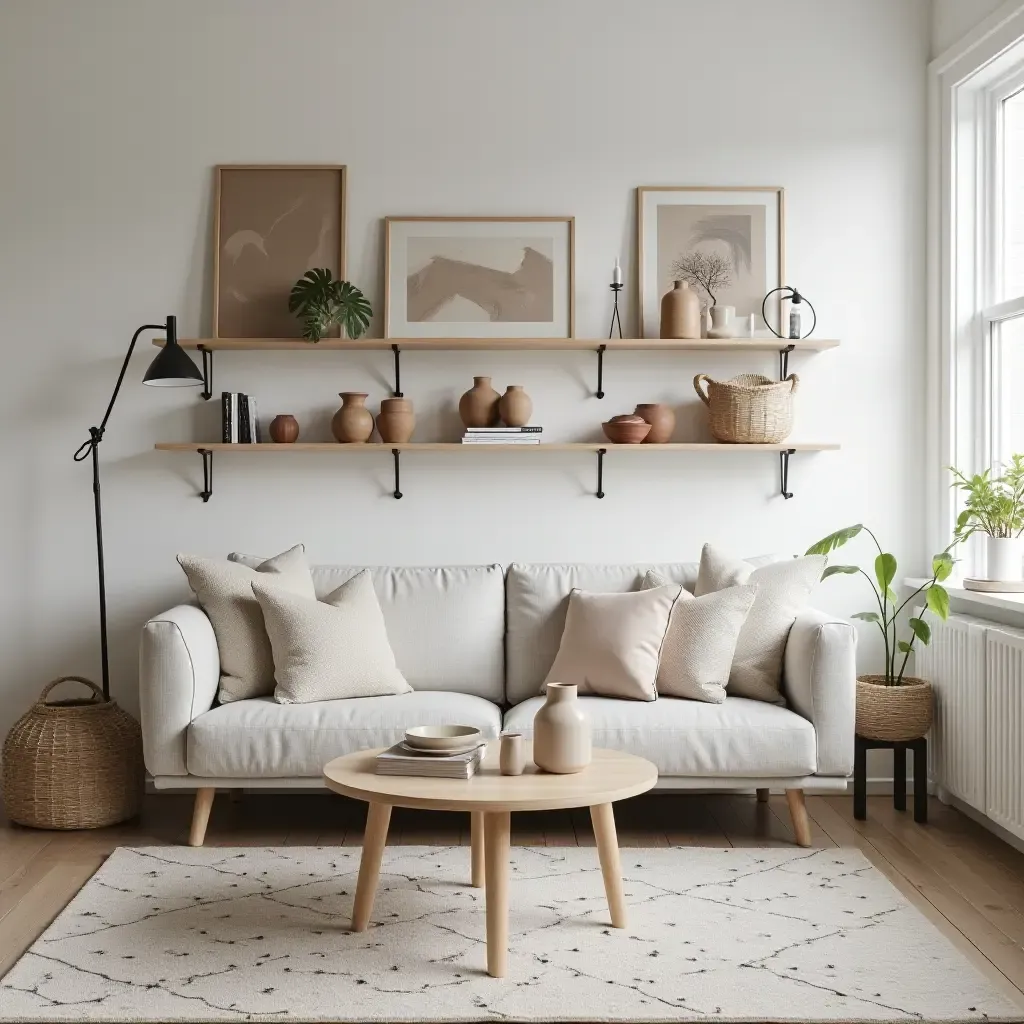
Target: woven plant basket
x,y
749,409
895,714
73,763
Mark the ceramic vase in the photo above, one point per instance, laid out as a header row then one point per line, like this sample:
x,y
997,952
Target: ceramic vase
x,y
352,423
515,406
561,732
478,407
396,421
511,756
284,429
1004,558
722,325
680,312
662,420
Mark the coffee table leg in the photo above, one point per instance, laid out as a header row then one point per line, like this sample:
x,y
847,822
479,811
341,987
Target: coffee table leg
x,y
497,828
375,835
476,833
603,819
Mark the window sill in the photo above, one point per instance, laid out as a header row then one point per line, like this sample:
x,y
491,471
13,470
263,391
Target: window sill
x,y
1005,608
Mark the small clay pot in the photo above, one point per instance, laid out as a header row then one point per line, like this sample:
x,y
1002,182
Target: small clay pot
x,y
284,429
353,422
626,429
478,407
396,421
662,420
515,406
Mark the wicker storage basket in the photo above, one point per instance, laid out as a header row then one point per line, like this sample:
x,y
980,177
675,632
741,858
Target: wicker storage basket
x,y
749,409
895,714
74,763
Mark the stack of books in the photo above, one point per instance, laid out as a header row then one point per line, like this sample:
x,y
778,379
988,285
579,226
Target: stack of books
x,y
238,419
502,435
403,760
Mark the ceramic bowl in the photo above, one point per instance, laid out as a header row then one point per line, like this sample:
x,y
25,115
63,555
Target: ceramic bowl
x,y
442,737
626,431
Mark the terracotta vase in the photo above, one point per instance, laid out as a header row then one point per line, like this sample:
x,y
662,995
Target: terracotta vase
x,y
478,407
284,429
662,420
396,421
352,423
680,312
561,732
515,406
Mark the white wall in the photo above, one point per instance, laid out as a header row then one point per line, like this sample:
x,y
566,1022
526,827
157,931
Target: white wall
x,y
953,19
113,113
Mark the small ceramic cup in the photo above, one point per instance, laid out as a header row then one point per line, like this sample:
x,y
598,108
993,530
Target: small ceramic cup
x,y
511,759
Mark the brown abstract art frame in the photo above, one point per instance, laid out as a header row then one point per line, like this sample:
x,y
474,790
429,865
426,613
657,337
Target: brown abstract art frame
x,y
272,223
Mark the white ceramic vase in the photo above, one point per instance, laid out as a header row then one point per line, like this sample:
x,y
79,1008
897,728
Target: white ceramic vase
x,y
561,732
1005,558
722,322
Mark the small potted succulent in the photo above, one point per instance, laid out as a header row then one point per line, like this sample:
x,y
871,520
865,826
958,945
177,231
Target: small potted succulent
x,y
324,302
893,706
995,508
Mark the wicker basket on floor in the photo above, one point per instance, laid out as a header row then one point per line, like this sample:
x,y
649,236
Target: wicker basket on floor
x,y
749,409
73,763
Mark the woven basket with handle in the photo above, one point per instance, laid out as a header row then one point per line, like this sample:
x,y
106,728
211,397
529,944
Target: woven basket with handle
x,y
749,409
73,763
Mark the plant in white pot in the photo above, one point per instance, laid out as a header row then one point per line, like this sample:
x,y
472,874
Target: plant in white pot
x,y
995,508
893,706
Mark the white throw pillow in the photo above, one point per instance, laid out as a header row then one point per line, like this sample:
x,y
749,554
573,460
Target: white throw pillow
x,y
700,643
331,649
612,642
224,591
782,591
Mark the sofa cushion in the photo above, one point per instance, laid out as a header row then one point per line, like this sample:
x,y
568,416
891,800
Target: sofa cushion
x,y
261,738
538,598
446,624
740,737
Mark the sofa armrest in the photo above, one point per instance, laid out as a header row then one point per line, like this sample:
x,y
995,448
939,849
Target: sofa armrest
x,y
179,671
820,681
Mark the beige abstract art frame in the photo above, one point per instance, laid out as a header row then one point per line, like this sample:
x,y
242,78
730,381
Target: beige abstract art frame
x,y
479,277
744,225
272,223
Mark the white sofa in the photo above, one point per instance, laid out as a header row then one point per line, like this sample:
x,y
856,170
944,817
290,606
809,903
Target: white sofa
x,y
475,643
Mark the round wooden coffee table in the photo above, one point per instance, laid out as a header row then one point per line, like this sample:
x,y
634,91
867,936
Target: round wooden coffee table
x,y
491,798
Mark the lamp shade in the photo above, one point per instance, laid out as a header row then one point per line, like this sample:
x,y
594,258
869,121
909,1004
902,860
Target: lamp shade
x,y
172,368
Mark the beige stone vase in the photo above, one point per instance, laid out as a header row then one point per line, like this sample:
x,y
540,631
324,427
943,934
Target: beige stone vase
x,y
353,422
515,406
561,732
478,407
680,312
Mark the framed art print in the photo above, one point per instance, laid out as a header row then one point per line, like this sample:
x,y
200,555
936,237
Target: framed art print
x,y
478,277
271,225
727,242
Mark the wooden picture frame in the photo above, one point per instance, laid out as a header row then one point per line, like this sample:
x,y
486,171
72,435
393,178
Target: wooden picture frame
x,y
541,265
733,200
305,204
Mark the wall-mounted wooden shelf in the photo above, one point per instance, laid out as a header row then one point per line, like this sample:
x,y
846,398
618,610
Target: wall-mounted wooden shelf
x,y
206,450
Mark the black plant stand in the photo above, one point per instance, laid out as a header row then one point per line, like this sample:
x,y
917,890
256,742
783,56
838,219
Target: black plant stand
x,y
861,746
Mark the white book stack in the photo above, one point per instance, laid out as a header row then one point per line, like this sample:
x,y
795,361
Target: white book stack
x,y
502,435
403,760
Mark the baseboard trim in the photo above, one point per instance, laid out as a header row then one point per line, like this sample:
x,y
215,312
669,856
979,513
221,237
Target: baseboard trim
x,y
982,819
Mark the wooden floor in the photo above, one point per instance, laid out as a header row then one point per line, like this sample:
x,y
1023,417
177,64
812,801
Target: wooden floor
x,y
966,881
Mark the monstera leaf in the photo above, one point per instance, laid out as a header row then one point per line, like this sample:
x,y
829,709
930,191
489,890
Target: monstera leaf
x,y
324,301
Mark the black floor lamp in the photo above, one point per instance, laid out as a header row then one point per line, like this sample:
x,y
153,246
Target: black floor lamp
x,y
172,368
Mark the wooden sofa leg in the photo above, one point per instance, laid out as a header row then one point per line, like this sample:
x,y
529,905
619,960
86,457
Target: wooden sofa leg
x,y
762,796
201,815
798,812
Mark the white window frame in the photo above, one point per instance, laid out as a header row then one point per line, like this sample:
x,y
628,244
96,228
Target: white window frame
x,y
966,86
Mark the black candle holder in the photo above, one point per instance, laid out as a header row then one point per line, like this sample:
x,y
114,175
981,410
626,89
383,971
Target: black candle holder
x,y
616,288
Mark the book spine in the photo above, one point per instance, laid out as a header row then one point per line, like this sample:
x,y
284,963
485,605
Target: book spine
x,y
504,430
234,417
244,430
254,422
225,416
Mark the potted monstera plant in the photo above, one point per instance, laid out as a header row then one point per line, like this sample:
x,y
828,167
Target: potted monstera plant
x,y
892,705
325,302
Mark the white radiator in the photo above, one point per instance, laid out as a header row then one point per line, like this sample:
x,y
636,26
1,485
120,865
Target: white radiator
x,y
977,741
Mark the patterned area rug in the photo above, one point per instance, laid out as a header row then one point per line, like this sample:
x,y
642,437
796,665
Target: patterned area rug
x,y
179,934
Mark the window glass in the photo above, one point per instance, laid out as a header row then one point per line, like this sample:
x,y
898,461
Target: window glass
x,y
1013,196
1008,337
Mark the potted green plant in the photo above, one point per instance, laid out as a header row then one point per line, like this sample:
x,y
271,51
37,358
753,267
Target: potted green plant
x,y
893,706
995,508
323,301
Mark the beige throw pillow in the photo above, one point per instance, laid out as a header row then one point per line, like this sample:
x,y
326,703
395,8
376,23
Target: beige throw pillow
x,y
782,591
612,642
224,591
700,643
331,649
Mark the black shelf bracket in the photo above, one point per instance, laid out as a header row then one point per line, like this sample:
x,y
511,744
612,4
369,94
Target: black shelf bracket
x,y
601,452
207,393
784,468
207,492
600,371
397,453
784,361
397,393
